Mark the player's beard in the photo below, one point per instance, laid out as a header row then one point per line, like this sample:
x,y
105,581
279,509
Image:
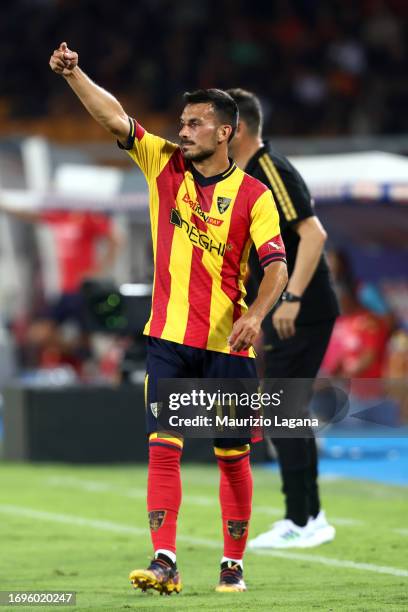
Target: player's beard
x,y
198,156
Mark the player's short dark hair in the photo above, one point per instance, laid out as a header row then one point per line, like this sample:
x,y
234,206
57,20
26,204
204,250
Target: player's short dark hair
x,y
225,107
250,109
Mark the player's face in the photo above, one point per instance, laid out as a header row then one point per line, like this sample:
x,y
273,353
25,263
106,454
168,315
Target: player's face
x,y
199,131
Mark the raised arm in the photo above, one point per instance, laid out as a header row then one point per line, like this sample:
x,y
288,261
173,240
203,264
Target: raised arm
x,y
98,102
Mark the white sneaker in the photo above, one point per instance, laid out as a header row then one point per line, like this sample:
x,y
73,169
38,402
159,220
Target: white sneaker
x,y
319,531
284,534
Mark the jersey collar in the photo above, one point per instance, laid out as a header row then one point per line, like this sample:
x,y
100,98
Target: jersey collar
x,y
210,180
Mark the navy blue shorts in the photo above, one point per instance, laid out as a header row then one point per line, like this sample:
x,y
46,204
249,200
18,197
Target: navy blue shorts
x,y
167,359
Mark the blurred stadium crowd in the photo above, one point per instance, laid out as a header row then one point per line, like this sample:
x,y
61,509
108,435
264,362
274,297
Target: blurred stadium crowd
x,y
321,68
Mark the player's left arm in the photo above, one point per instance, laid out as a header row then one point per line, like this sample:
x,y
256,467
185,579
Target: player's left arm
x,y
312,237
265,233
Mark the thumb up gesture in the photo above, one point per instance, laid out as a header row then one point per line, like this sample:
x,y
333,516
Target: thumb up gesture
x,y
63,60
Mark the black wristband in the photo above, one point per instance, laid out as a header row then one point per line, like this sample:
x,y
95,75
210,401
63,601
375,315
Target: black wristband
x,y
290,297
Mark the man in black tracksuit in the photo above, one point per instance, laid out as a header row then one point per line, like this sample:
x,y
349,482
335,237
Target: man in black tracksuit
x,y
298,331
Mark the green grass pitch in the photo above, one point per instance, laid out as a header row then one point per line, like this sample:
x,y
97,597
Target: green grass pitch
x,y
84,528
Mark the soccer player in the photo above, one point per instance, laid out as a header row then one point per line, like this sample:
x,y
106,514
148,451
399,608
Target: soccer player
x,y
205,214
298,333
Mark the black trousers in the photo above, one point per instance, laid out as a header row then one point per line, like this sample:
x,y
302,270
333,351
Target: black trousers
x,y
298,357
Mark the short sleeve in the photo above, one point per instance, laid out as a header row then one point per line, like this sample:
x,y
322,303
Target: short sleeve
x,y
293,197
289,191
265,230
149,152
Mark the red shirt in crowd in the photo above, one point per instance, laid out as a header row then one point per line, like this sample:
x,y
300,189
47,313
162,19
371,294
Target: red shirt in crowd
x,y
354,335
76,237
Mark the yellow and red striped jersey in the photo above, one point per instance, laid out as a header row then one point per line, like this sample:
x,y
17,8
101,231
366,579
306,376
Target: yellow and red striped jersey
x,y
202,231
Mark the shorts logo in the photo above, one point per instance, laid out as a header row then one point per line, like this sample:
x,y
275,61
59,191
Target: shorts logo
x,y
223,203
156,407
156,518
237,529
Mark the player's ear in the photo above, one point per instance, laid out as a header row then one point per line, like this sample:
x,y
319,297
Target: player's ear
x,y
224,132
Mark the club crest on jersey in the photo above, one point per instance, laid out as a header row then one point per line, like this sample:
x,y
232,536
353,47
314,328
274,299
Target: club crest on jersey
x,y
237,529
156,407
156,518
223,203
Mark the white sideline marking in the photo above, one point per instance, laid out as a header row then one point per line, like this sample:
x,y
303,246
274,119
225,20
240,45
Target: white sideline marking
x,y
68,519
347,522
403,532
110,526
368,567
94,486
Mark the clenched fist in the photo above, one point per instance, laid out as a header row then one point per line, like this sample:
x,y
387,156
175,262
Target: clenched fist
x,y
244,332
63,61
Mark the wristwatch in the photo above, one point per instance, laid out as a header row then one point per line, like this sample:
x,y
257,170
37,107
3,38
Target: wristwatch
x,y
290,297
